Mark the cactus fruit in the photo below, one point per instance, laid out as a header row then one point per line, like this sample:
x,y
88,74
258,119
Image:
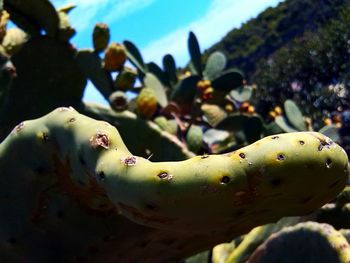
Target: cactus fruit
x,y
66,31
115,57
272,115
100,36
305,242
4,17
79,166
277,110
146,102
125,79
205,89
118,101
244,106
14,40
327,121
251,109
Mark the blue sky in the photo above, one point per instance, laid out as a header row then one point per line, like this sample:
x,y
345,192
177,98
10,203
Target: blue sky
x,y
159,27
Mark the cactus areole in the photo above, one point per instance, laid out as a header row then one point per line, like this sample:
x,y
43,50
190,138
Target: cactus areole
x,y
64,165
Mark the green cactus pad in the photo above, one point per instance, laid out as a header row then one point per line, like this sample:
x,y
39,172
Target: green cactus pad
x,y
64,198
154,84
33,16
159,73
250,124
255,237
195,54
331,131
242,94
283,124
304,243
294,115
169,66
91,65
213,114
100,37
228,80
135,56
43,67
216,63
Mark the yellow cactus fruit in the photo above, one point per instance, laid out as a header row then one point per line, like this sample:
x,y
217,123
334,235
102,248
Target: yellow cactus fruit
x,y
4,17
203,84
278,110
146,102
308,122
272,115
327,121
244,106
200,85
14,40
115,57
185,74
336,119
229,107
251,109
207,82
208,93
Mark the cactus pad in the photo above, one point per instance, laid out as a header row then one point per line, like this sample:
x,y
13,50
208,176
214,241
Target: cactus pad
x,y
68,194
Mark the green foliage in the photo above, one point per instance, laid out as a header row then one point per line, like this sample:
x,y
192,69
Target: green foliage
x,y
260,37
305,69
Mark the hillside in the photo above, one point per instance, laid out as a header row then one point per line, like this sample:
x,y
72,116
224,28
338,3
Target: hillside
x,y
299,50
274,28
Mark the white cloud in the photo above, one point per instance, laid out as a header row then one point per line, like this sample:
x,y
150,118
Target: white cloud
x,y
108,11
223,15
125,8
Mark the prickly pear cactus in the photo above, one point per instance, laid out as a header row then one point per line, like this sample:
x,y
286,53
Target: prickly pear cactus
x,y
14,40
115,57
146,102
118,101
125,79
305,242
67,200
100,36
